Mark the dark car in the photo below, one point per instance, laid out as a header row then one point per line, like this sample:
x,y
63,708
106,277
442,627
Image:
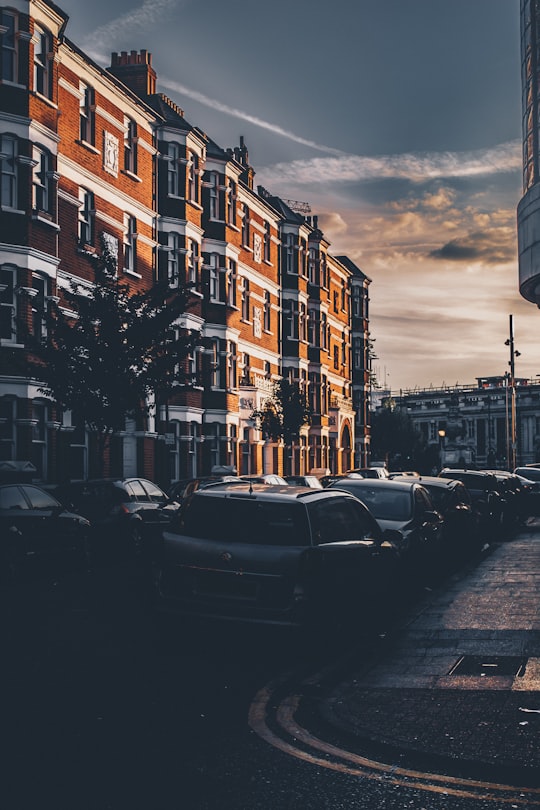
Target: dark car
x,y
371,472
405,507
41,541
182,489
304,481
257,553
486,496
127,514
529,478
265,478
453,501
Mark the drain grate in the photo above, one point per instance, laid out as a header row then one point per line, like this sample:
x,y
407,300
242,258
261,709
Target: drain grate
x,y
489,666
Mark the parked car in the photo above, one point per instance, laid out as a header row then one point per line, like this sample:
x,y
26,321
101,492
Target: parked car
x,y
179,490
405,507
127,515
326,480
453,501
41,541
404,474
370,472
516,495
267,478
530,481
486,496
257,553
304,481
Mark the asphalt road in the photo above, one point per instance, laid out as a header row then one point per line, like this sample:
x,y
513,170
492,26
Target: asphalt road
x,y
103,710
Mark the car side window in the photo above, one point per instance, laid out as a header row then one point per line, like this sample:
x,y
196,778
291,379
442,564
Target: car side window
x,y
137,491
40,499
154,492
12,498
337,520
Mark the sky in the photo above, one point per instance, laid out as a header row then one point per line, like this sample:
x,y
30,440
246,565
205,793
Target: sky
x,y
399,122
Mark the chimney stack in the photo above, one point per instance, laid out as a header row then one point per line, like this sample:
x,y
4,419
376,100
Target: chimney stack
x,y
135,70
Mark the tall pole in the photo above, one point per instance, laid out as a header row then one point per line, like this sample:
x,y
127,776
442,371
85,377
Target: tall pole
x,y
512,381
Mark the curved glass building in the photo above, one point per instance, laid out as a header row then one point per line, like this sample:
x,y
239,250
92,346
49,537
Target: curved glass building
x,y
528,214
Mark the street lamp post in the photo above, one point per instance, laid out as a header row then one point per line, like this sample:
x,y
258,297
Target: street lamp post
x,y
511,399
442,434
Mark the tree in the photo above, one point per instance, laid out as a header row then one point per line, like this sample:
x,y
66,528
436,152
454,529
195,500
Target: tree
x,y
284,413
108,353
394,437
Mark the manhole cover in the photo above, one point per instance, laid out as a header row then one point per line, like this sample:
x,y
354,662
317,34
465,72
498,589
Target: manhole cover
x,y
486,666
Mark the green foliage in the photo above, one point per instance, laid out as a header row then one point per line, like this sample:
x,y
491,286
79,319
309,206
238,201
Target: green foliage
x,y
108,352
284,413
393,434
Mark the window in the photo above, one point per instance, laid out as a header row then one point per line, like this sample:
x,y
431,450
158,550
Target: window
x,y
313,327
8,46
43,62
216,197
231,365
39,438
130,145
246,369
8,303
193,177
291,320
336,356
244,294
288,253
231,203
173,265
8,413
324,272
40,285
324,331
215,364
86,114
302,322
130,244
42,186
86,217
231,282
214,277
267,242
193,262
267,312
358,353
246,229
9,165
173,170
312,266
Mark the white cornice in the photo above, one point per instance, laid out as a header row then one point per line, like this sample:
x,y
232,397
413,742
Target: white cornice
x,y
80,176
29,258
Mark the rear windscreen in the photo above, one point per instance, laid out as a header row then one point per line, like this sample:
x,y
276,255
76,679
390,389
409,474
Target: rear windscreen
x,y
246,520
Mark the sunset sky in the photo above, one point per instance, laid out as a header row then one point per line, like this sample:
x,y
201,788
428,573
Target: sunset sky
x,y
399,122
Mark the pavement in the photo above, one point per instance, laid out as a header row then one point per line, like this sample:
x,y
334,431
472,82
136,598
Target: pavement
x,y
455,686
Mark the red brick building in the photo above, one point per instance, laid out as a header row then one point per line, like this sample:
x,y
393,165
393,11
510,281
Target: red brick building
x,y
92,157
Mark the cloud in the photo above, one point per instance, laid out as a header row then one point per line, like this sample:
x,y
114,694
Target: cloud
x,y
492,246
416,168
332,223
151,12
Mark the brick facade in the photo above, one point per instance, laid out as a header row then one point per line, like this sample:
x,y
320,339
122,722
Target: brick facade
x,y
91,156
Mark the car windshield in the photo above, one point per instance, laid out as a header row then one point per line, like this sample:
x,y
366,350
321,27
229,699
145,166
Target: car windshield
x,y
385,503
246,520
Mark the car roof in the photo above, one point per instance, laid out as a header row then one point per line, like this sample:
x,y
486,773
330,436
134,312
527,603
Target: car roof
x,y
265,492
433,481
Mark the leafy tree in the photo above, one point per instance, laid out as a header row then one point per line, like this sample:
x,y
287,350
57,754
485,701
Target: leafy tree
x,y
284,413
110,353
394,437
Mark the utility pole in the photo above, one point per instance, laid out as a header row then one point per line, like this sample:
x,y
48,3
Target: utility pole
x,y
511,454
